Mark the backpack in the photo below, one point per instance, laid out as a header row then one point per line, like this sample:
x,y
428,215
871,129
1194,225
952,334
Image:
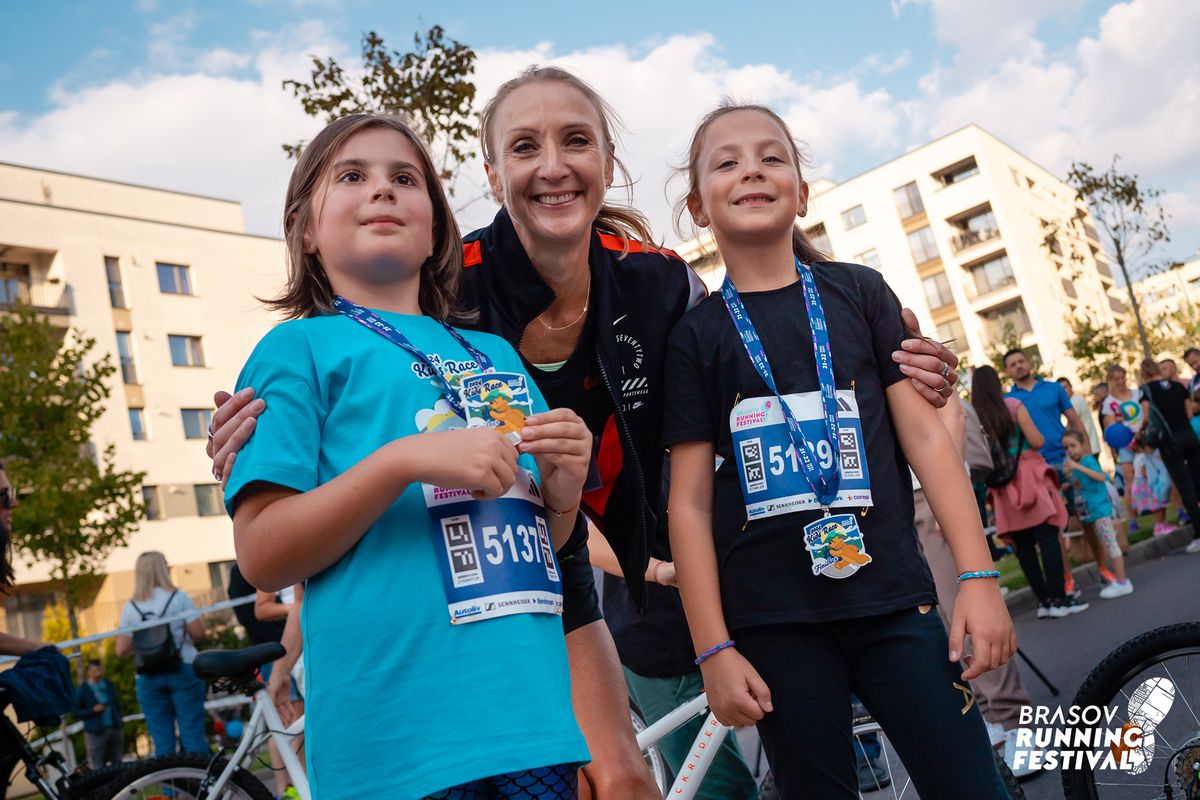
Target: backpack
x,y
154,649
1004,467
977,452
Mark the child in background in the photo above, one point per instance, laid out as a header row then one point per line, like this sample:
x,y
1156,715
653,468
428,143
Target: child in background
x,y
1094,507
1151,487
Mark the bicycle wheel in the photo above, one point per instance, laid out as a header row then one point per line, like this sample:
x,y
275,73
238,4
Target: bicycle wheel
x,y
92,784
891,780
1151,682
180,777
654,758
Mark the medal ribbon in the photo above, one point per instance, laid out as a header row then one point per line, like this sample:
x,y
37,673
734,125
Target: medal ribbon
x,y
823,482
373,322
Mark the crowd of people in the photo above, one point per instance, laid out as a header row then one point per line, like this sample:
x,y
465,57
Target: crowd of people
x,y
439,416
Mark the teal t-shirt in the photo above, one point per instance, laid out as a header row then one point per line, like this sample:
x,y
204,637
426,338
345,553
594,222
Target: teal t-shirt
x,y
1094,493
400,703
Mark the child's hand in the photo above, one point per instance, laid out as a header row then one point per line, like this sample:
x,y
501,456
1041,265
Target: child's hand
x,y
562,445
737,695
980,611
479,459
1069,464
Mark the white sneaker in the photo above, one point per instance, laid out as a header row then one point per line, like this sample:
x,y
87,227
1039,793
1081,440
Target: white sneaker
x,y
1010,752
1117,589
1194,547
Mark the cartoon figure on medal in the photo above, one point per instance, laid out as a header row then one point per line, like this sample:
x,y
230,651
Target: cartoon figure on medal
x,y
497,400
836,546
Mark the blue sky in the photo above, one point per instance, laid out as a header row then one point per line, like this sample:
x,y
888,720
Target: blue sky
x,y
127,87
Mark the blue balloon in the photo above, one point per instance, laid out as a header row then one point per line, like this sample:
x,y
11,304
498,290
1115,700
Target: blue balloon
x,y
233,729
1118,435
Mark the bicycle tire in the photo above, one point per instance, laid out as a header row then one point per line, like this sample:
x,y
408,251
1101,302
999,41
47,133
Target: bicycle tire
x,y
185,769
654,758
88,785
1115,671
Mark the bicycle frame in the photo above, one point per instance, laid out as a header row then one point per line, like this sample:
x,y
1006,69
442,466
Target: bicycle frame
x,y
703,750
265,716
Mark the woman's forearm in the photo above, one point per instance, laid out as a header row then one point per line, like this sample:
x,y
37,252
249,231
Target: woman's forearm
x,y
283,537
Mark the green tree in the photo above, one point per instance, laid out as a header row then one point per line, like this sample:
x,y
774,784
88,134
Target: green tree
x,y
1094,344
1009,340
431,85
76,506
1131,223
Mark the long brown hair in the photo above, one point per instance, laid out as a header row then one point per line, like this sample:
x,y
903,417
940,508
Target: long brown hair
x,y
308,291
801,246
987,398
621,220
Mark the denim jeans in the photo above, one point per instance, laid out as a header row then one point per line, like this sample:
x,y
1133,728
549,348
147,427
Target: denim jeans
x,y
172,697
728,777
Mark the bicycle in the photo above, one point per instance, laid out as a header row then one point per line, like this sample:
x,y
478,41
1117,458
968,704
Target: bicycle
x,y
1151,683
48,771
196,776
712,733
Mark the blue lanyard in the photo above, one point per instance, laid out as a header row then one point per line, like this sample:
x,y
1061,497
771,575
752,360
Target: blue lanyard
x,y
373,322
824,482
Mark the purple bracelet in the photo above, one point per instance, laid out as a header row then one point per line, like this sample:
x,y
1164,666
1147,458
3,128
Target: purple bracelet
x,y
700,659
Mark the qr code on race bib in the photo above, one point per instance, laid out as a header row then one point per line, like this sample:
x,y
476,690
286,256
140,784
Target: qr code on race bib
x,y
461,549
752,465
848,452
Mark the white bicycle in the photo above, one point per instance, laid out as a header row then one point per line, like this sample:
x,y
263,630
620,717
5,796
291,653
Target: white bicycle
x,y
866,732
195,776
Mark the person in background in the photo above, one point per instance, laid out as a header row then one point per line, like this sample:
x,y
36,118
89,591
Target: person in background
x,y
1123,404
10,645
97,704
1085,416
1195,420
1171,372
176,695
1182,453
1192,357
1095,508
1151,486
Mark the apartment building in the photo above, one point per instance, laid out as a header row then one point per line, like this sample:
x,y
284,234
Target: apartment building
x,y
166,283
959,227
1164,292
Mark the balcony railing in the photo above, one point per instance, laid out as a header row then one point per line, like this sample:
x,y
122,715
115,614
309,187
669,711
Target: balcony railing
x,y
45,298
977,289
971,238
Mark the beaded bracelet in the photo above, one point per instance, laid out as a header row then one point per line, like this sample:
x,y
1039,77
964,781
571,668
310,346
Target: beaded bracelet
x,y
700,659
966,576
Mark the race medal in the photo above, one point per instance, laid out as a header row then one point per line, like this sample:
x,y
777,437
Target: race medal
x,y
835,545
768,467
496,556
497,400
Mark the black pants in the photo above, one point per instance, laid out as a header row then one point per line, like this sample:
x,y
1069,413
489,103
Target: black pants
x,y
1046,585
897,665
1182,459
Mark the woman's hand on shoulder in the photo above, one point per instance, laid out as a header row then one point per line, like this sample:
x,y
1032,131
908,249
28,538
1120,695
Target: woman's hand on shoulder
x,y
981,612
478,459
231,427
928,363
562,445
736,692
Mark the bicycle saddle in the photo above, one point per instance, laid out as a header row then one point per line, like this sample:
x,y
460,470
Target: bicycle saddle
x,y
213,664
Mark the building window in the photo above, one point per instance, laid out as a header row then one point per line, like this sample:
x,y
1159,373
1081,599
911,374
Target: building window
x,y
137,423
923,246
116,292
196,422
997,321
853,217
993,274
937,291
870,259
174,279
819,239
150,498
1069,288
953,335
978,227
208,500
14,284
186,351
959,172
125,354
908,200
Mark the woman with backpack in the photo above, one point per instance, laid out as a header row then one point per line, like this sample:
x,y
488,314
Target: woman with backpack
x,y
167,690
1023,490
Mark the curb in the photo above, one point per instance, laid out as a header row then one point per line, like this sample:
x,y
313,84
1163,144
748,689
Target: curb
x,y
1022,600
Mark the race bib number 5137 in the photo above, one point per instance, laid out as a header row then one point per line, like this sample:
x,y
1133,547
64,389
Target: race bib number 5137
x,y
772,480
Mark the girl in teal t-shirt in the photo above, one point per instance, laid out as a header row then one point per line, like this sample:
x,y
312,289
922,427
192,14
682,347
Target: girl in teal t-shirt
x,y
1095,506
434,655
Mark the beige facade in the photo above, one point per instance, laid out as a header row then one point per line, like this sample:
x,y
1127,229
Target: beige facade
x,y
957,228
165,282
1166,291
